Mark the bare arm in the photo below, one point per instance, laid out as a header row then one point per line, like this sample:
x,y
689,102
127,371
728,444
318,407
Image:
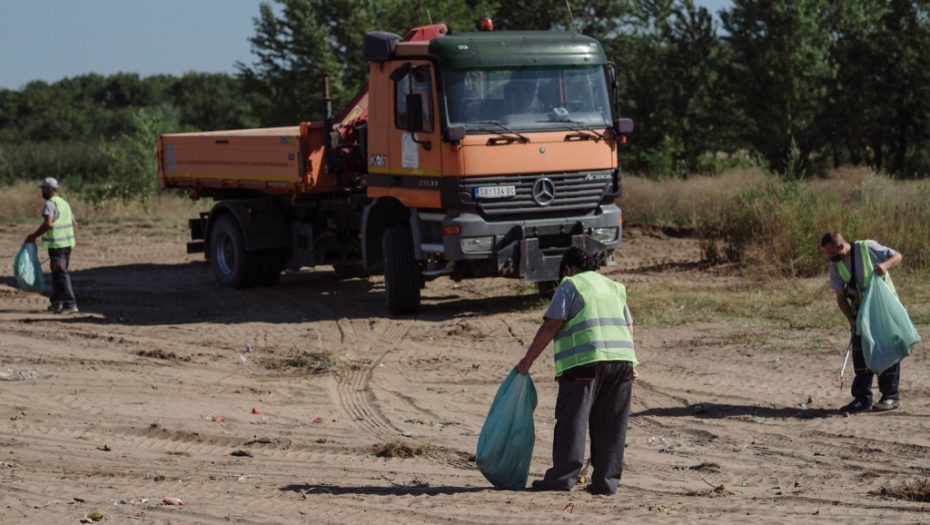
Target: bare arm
x,y
892,261
46,226
544,336
74,224
845,308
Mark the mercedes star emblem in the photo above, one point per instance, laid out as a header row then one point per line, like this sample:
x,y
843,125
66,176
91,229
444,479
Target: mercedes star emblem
x,y
543,191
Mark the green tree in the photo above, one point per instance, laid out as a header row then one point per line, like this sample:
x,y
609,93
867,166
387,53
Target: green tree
x,y
312,37
780,71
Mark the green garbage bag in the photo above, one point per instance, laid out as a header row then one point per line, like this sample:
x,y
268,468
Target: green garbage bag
x,y
505,446
28,270
886,329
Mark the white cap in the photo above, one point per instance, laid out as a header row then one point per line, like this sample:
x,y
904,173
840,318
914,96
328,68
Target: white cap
x,y
49,183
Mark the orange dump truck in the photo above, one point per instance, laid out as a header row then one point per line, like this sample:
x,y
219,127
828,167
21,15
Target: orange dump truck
x,y
467,155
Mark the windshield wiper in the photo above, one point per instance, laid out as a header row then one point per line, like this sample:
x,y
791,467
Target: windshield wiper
x,y
524,138
582,124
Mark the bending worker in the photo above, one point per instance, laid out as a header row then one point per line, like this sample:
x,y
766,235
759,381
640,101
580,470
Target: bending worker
x,y
57,234
851,269
590,323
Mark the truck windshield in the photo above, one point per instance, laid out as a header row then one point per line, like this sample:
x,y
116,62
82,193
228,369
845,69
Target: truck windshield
x,y
527,99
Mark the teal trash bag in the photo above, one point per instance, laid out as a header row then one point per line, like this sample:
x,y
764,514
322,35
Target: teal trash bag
x,y
886,329
505,446
28,270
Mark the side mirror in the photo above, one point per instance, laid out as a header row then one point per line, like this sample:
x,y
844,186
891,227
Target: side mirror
x,y
623,126
414,102
453,134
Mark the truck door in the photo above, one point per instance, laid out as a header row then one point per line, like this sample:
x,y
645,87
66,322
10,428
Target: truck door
x,y
413,165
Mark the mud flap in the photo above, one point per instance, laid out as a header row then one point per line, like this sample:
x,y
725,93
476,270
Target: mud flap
x,y
301,247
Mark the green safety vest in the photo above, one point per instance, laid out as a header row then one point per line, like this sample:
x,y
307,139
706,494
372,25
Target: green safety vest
x,y
867,270
62,233
599,331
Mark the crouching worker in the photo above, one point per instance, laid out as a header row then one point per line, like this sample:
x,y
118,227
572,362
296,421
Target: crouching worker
x,y
592,331
851,269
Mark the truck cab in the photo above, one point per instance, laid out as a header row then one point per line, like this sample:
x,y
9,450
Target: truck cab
x,y
501,147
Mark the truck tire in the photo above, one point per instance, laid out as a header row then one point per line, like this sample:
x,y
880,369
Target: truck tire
x,y
272,264
350,271
401,272
232,265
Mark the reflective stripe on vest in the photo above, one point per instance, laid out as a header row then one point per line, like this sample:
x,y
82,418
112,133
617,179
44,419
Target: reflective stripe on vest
x,y
61,234
867,269
599,332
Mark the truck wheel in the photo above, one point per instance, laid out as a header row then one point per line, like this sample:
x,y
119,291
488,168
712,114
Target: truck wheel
x,y
350,271
232,265
272,264
401,275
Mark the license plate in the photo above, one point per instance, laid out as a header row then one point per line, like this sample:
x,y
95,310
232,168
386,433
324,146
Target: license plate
x,y
495,192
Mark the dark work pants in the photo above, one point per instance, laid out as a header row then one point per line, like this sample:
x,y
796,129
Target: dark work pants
x,y
596,396
862,384
62,294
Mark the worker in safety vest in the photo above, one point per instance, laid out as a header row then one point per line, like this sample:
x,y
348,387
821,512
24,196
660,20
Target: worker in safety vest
x,y
851,270
57,234
592,330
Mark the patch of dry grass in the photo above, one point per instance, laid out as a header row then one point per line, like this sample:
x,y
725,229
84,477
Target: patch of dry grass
x,y
304,362
919,491
22,202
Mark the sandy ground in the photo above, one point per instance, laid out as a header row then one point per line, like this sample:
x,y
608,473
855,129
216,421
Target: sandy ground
x,y
100,422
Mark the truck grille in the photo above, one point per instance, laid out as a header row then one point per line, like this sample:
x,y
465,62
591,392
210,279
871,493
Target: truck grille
x,y
575,191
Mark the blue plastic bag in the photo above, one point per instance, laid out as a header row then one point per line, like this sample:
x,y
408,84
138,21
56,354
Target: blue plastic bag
x,y
28,270
886,329
505,446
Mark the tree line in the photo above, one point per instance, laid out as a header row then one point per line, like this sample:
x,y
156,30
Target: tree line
x,y
797,86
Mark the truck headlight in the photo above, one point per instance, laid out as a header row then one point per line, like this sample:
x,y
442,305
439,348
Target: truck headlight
x,y
605,235
477,244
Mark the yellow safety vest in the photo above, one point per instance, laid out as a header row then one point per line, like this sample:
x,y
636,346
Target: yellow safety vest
x,y
599,331
62,233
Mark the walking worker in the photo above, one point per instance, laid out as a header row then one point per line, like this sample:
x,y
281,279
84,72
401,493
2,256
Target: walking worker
x,y
592,330
851,269
57,234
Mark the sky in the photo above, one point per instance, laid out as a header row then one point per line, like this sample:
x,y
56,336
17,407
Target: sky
x,y
52,39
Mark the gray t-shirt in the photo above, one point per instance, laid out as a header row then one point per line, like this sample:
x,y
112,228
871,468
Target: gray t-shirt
x,y
877,253
51,208
568,303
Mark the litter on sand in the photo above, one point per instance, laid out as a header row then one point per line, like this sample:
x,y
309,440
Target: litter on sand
x,y
13,374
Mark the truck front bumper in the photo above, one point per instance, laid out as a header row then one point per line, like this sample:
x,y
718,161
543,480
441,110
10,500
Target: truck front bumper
x,y
531,249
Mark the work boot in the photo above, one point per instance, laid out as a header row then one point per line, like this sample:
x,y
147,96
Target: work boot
x,y
886,404
68,310
540,484
855,406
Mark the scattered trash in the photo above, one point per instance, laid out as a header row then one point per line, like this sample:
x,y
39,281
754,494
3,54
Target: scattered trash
x,y
105,448
243,358
744,484
13,374
655,439
360,418
75,500
256,411
326,440
248,348
417,420
17,510
317,420
241,478
96,515
254,440
358,367
569,506
241,453
668,449
262,421
538,438
131,501
173,501
6,344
